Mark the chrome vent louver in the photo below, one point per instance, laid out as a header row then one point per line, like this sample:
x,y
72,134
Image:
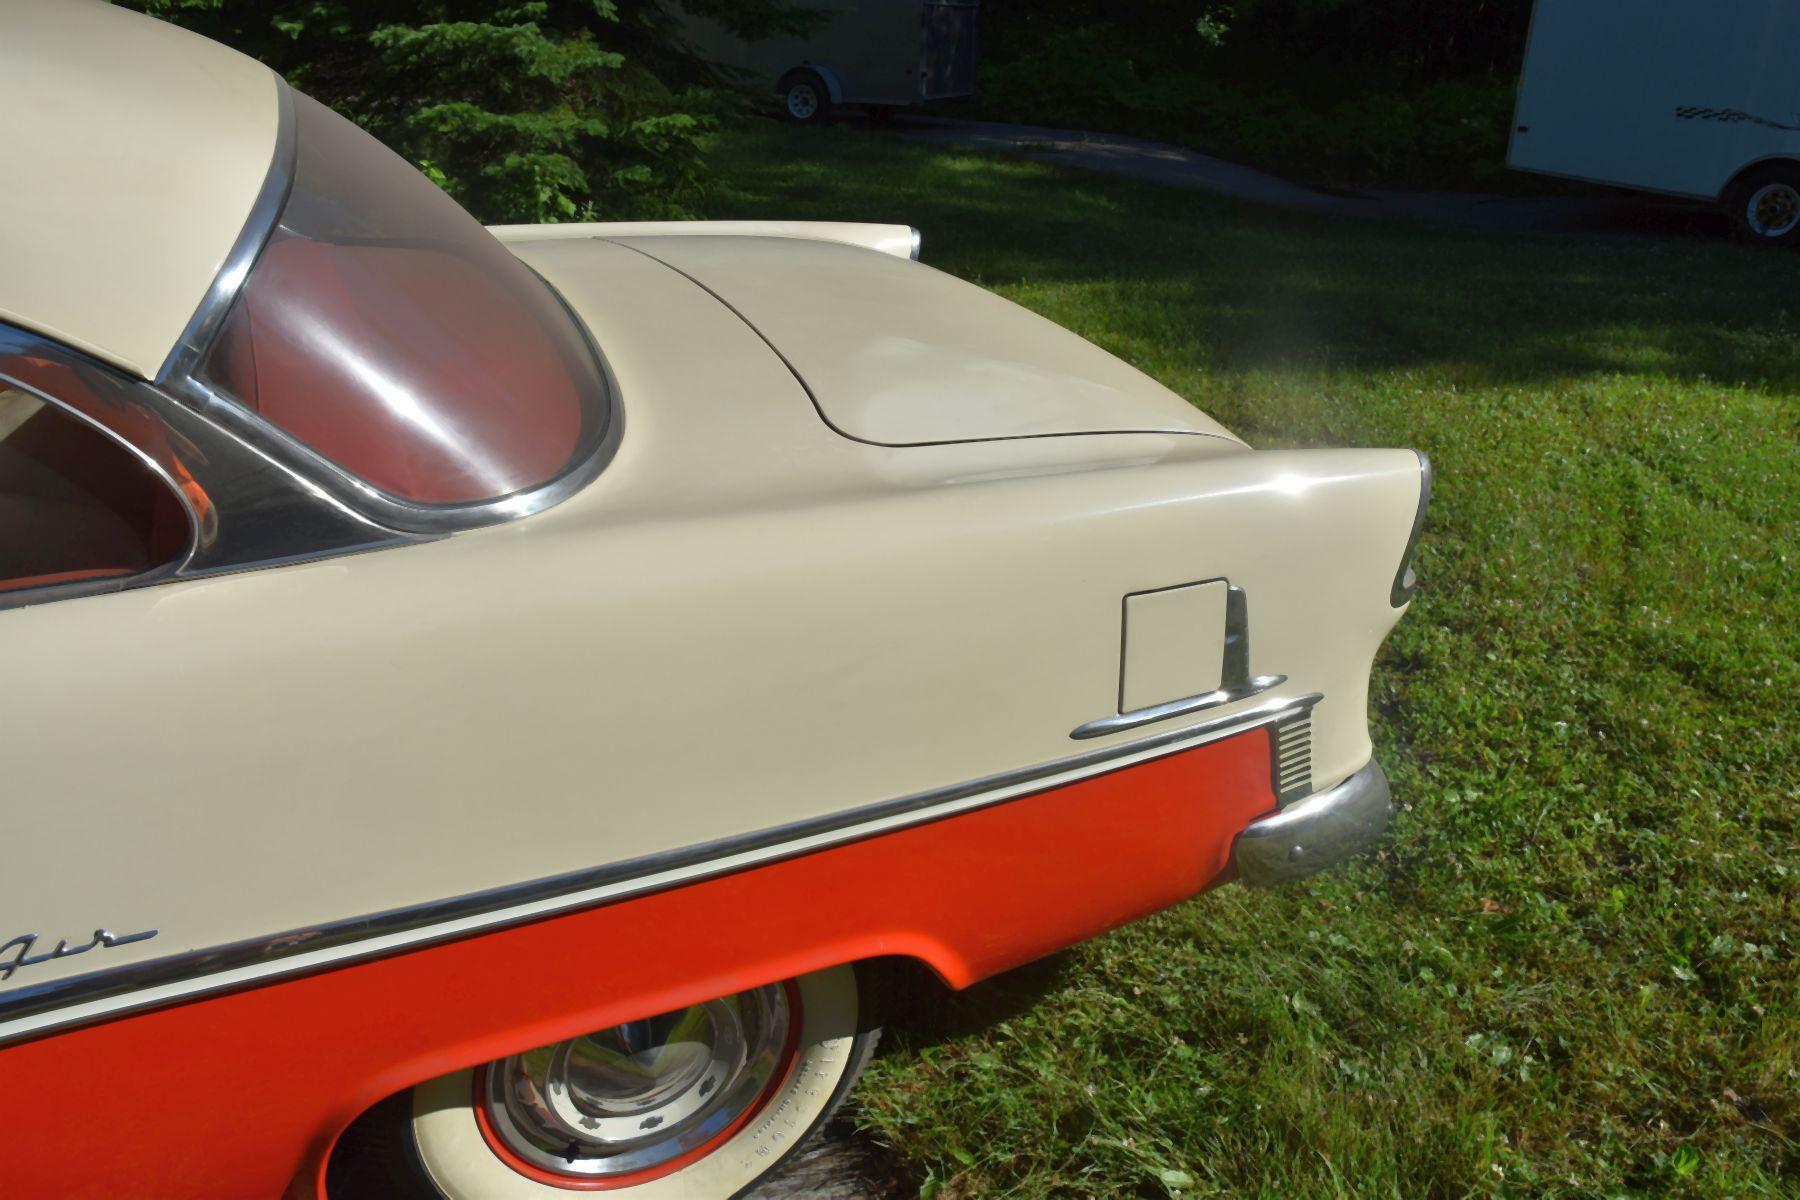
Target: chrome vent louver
x,y
1290,753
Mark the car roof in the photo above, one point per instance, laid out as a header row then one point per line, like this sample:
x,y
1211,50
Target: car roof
x,y
134,152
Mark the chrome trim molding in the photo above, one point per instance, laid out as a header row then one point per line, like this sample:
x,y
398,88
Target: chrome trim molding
x,y
1317,832
78,999
185,355
390,512
1101,726
1405,580
1290,758
245,509
917,240
1235,682
178,378
160,469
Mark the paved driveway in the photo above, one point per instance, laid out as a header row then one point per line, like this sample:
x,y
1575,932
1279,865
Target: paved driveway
x,y
1159,162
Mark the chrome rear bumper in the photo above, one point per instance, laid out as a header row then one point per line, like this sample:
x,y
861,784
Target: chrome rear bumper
x,y
1311,834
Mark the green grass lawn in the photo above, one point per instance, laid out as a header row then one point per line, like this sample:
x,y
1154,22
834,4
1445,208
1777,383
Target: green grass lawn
x,y
1572,969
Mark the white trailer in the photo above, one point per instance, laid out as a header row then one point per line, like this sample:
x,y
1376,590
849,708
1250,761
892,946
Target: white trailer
x,y
1693,98
876,54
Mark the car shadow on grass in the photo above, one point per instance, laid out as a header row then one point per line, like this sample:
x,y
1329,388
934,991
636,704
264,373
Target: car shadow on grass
x,y
846,1163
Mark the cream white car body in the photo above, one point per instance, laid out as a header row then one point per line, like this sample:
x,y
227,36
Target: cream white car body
x,y
863,534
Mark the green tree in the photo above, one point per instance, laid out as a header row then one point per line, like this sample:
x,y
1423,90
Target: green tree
x,y
551,110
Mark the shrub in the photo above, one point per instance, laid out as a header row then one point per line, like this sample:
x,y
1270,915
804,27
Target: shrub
x,y
550,110
1365,92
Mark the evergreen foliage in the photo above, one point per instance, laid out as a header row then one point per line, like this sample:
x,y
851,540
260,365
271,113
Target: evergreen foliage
x,y
551,110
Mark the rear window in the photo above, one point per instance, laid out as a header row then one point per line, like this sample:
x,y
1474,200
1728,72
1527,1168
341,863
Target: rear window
x,y
387,330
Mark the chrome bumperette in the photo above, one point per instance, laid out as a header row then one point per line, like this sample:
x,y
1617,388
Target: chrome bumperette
x,y
79,999
917,240
1312,834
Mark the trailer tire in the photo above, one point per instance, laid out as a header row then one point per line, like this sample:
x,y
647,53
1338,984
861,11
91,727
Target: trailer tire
x,y
1764,203
805,100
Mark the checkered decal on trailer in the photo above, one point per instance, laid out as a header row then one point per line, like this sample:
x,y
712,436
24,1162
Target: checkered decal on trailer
x,y
1730,116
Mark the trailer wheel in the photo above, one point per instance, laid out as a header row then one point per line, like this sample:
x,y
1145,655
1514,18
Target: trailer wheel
x,y
1765,203
805,99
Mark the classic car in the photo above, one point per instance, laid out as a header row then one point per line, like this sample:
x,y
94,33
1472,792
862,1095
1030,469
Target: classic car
x,y
514,694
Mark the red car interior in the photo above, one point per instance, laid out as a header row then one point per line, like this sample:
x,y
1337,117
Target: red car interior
x,y
480,405
91,508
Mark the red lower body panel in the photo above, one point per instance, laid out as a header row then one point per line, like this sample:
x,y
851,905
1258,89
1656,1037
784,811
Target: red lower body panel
x,y
242,1095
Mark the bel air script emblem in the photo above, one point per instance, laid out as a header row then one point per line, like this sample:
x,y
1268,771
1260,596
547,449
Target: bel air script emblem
x,y
17,953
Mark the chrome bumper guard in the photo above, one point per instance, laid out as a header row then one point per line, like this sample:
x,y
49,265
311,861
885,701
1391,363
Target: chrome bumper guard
x,y
1312,834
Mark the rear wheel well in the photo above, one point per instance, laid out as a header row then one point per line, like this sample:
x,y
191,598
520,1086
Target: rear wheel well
x,y
362,1164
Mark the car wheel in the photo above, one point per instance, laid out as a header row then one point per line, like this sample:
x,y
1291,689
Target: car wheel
x,y
1766,205
698,1104
805,98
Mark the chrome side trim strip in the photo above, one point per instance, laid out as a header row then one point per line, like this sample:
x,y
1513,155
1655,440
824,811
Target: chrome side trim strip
x,y
185,355
61,1003
1101,726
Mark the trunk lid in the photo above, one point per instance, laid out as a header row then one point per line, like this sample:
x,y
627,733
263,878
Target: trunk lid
x,y
899,354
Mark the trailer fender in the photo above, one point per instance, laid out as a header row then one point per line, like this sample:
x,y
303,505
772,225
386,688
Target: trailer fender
x,y
833,84
1724,194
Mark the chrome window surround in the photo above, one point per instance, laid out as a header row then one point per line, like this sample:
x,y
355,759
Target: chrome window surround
x,y
177,376
185,355
245,508
269,498
79,999
159,468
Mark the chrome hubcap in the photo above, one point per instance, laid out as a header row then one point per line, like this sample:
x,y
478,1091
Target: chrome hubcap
x,y
802,101
637,1095
1773,209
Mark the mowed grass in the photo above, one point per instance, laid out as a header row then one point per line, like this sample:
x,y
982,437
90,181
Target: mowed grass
x,y
1572,969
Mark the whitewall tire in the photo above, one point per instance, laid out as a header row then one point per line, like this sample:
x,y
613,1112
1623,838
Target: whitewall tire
x,y
470,1148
